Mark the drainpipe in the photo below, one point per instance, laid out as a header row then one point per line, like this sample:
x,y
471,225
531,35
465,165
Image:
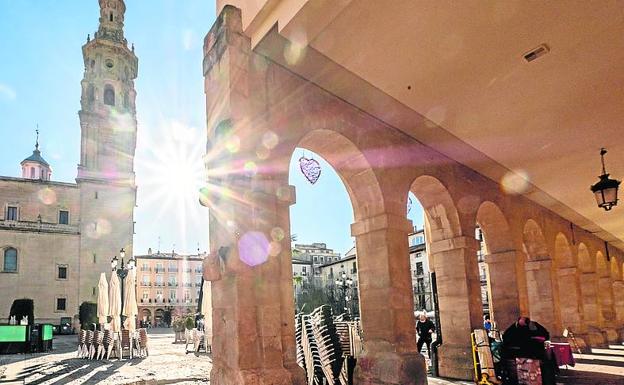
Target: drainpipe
x,y
438,341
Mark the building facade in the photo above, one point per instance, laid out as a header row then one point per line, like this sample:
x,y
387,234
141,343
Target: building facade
x,y
317,254
56,237
167,282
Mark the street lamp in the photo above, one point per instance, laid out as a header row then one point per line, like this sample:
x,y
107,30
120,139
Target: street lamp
x,y
122,271
606,189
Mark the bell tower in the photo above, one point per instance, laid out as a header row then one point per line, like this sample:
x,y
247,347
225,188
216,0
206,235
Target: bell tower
x,y
108,115
108,140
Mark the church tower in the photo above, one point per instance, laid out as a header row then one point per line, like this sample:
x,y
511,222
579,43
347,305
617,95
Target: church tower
x,y
108,142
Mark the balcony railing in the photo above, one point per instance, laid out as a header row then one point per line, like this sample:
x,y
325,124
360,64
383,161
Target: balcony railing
x,y
146,284
146,269
159,269
173,284
41,227
197,284
159,284
173,269
198,270
188,284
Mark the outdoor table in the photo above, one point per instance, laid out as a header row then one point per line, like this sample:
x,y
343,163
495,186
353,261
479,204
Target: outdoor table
x,y
562,352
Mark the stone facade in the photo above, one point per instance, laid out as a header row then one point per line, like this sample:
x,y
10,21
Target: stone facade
x,y
256,94
167,281
65,234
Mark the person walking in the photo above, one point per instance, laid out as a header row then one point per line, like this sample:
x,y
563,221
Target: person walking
x,y
424,329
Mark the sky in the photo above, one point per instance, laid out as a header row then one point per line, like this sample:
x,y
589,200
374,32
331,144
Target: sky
x,y
40,74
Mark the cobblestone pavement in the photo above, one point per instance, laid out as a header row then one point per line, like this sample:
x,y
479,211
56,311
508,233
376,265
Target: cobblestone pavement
x,y
167,364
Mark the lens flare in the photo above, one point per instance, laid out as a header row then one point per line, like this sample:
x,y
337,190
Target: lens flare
x,y
47,196
270,140
275,248
233,144
251,168
515,183
253,248
277,234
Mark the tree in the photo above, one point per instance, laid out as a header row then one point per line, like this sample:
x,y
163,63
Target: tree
x,y
312,296
87,313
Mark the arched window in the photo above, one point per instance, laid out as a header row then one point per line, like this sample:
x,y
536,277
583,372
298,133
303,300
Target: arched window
x,y
109,96
32,172
10,260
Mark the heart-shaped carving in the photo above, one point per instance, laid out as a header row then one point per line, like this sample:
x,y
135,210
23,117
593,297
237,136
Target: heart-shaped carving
x,y
310,168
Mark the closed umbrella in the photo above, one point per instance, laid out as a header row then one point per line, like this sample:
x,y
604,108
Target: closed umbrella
x,y
206,310
114,302
130,309
102,303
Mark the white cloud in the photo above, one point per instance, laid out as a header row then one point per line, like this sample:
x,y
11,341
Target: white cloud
x,y
7,92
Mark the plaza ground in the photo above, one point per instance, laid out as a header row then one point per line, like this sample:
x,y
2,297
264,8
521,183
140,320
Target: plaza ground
x,y
169,364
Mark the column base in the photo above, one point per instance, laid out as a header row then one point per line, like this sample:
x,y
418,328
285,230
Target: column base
x,y
455,361
280,376
611,335
593,337
390,368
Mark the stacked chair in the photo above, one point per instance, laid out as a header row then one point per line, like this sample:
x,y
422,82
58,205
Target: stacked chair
x,y
319,347
96,345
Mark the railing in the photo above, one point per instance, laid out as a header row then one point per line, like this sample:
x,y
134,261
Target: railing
x,y
42,227
146,269
159,284
174,284
198,270
188,270
173,269
159,269
187,284
146,284
197,284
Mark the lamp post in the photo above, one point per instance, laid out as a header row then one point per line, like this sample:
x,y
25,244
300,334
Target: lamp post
x,y
606,189
345,283
122,272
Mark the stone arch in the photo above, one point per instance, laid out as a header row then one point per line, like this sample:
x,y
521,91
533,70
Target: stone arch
x,y
563,252
569,299
588,284
602,268
616,272
539,277
534,242
500,264
453,258
585,262
496,232
439,207
146,315
354,169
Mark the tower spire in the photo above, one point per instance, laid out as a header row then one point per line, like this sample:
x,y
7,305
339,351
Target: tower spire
x,y
37,141
112,20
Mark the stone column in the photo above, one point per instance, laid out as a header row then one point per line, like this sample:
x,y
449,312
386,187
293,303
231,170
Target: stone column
x,y
503,287
569,300
618,296
605,297
592,317
461,308
386,303
539,287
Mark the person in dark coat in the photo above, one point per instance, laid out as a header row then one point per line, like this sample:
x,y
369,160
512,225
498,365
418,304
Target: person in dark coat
x,y
525,339
424,329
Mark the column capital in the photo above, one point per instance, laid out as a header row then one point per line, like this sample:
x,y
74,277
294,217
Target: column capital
x,y
538,265
501,257
461,242
381,222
